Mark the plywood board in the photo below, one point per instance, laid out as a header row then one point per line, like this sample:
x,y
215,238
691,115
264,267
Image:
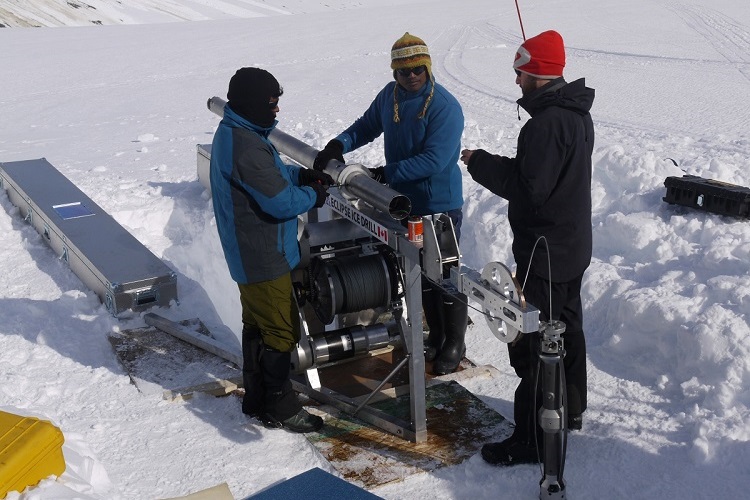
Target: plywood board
x,y
157,362
458,424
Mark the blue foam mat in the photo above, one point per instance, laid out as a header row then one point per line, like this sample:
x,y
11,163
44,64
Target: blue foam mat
x,y
314,484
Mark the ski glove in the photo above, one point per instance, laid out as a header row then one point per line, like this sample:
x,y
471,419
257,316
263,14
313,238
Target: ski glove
x,y
321,193
334,150
378,173
308,176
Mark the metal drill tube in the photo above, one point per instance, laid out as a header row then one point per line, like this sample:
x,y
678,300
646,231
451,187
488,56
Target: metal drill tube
x,y
379,196
302,153
354,181
346,343
216,105
550,420
552,412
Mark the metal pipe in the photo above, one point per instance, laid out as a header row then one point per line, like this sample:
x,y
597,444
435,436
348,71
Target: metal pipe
x,y
341,344
354,179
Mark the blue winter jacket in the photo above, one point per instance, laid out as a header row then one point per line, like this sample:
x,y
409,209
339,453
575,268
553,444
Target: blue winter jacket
x,y
256,199
421,154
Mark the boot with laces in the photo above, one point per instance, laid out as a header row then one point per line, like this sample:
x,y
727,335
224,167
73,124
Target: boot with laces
x,y
302,421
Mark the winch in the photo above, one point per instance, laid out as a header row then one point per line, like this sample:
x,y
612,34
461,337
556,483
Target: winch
x,y
358,284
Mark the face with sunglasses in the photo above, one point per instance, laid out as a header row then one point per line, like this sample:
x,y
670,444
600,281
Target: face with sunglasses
x,y
268,114
412,79
528,83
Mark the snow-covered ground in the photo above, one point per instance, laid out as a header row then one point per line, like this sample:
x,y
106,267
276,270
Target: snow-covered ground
x,y
119,110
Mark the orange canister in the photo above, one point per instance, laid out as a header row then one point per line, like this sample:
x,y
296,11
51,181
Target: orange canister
x,y
415,230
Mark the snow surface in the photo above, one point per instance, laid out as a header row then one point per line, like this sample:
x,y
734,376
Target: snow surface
x,y
119,110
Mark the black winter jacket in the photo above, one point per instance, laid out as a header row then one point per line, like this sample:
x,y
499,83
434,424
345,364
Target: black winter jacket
x,y
548,183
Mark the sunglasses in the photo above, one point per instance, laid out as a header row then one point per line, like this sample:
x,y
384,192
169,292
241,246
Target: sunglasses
x,y
518,73
408,71
273,104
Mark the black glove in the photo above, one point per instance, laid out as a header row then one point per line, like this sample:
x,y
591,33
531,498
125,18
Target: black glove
x,y
321,193
308,176
334,150
378,173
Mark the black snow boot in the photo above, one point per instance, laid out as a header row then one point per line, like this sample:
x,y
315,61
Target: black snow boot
x,y
455,314
252,374
282,408
302,421
432,306
512,451
575,375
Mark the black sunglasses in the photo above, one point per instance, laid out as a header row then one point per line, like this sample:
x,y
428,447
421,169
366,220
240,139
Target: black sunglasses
x,y
408,71
274,104
518,73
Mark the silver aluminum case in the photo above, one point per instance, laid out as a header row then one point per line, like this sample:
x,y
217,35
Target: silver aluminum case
x,y
106,257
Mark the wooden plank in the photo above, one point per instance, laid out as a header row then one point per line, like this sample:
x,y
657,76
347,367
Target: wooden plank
x,y
204,342
216,388
218,492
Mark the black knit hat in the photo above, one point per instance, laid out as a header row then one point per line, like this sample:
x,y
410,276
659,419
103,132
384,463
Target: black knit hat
x,y
250,90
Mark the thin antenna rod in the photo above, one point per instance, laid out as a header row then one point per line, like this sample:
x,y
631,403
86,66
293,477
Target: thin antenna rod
x,y
520,21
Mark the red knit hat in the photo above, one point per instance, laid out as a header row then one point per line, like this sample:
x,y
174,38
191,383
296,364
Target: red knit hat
x,y
542,56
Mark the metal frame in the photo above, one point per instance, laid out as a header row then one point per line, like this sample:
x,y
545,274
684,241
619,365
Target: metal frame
x,y
409,325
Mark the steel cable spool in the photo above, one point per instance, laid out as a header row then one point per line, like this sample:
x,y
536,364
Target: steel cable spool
x,y
350,284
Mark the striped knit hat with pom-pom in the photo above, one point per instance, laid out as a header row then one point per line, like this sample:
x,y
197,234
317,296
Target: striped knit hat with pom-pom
x,y
410,51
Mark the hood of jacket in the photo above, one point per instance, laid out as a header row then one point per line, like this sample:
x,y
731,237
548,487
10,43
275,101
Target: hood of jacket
x,y
575,96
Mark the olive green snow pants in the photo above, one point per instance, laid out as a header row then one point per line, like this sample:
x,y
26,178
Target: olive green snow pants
x,y
270,307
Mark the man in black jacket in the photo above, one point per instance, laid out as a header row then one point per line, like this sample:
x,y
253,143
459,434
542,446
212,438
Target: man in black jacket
x,y
548,188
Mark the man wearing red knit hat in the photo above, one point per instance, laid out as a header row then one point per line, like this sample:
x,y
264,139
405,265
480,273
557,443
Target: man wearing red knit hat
x,y
548,188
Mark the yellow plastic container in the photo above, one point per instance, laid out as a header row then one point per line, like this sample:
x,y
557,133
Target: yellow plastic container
x,y
30,450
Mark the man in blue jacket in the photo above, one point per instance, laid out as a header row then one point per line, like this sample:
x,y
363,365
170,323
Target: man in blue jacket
x,y
257,199
421,124
548,188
